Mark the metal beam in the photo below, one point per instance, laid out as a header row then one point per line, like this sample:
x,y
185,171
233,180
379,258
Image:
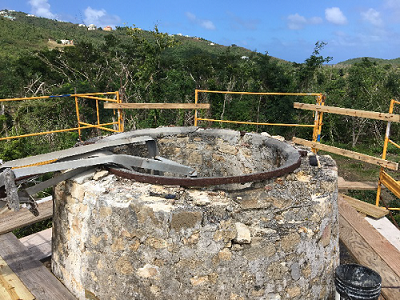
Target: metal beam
x,y
54,156
127,161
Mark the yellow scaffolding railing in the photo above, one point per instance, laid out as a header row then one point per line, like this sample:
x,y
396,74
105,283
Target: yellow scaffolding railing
x,y
320,99
384,178
81,125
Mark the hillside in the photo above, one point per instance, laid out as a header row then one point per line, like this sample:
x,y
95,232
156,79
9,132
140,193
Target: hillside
x,y
380,61
27,34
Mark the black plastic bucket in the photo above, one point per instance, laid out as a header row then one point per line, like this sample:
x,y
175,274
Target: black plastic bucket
x,y
357,282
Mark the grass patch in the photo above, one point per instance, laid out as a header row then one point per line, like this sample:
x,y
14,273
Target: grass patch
x,y
33,228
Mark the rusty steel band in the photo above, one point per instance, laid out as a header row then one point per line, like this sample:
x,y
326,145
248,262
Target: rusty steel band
x,y
207,181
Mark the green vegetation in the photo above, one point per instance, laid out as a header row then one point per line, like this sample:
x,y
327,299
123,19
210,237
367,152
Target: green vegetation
x,y
151,66
380,61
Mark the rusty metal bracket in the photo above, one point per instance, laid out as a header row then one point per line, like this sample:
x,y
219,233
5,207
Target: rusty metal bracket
x,y
291,164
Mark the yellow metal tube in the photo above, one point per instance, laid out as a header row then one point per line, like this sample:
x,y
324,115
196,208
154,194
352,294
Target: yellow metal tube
x,y
97,112
379,189
43,133
393,143
255,123
196,100
95,126
79,128
57,96
121,124
36,164
77,116
98,98
382,173
107,129
387,134
258,93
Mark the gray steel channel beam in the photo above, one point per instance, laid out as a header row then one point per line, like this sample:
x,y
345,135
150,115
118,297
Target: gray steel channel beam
x,y
73,152
53,181
127,161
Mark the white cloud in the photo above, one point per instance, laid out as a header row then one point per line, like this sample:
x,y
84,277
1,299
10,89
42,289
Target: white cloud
x,y
41,8
93,15
372,16
100,17
297,22
207,24
334,15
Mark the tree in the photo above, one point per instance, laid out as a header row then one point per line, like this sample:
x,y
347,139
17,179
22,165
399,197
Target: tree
x,y
307,72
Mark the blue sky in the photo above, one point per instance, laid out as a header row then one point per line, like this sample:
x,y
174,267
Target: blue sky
x,y
286,29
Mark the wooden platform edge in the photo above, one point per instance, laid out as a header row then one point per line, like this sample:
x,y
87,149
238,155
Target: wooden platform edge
x,y
354,155
365,208
355,185
35,276
380,245
12,220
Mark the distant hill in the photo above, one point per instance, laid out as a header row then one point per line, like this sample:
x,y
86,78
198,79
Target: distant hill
x,y
21,33
382,61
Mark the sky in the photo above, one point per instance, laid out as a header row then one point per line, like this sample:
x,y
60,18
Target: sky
x,y
287,29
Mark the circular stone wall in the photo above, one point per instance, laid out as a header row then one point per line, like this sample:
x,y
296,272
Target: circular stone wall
x,y
277,238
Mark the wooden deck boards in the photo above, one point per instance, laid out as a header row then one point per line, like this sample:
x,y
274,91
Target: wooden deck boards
x,y
355,185
11,220
11,287
370,248
35,276
365,208
39,244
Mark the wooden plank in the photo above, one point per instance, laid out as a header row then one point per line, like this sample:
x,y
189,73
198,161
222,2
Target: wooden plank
x,y
39,244
355,185
16,219
156,106
366,256
366,208
378,243
387,229
35,276
11,287
355,155
349,112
